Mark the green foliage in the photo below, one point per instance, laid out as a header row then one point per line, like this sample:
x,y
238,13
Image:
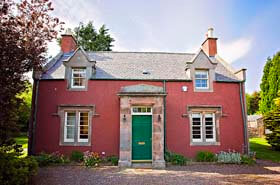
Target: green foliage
x,y
113,159
272,122
91,159
252,101
205,156
23,141
245,159
229,157
175,159
24,108
77,156
54,158
270,84
13,169
92,40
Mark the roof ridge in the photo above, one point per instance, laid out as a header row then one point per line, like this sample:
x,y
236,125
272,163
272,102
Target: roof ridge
x,y
145,52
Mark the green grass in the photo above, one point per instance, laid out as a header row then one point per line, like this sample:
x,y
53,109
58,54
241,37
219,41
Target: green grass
x,y
23,140
263,150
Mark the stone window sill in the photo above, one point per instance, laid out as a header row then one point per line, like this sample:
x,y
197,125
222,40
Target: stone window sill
x,y
205,143
74,144
77,89
203,90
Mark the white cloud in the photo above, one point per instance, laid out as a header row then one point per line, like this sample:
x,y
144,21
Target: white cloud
x,y
234,50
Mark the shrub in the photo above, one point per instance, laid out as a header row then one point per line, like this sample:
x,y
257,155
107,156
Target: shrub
x,y
175,159
15,170
245,159
272,122
229,157
113,159
54,158
205,156
91,159
77,156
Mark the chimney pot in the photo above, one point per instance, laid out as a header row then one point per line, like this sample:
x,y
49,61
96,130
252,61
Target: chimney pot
x,y
210,32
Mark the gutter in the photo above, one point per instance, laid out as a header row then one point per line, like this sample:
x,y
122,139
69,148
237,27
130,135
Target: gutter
x,y
244,116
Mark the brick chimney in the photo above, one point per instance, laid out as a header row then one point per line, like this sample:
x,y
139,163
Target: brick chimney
x,y
68,42
209,46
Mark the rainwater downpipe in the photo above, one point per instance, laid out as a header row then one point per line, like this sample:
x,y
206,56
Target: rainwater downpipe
x,y
35,118
244,115
164,115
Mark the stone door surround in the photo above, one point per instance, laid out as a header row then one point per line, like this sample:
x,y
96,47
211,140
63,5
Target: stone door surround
x,y
141,95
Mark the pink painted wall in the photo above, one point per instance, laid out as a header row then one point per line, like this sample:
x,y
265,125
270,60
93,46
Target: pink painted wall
x,y
105,128
178,127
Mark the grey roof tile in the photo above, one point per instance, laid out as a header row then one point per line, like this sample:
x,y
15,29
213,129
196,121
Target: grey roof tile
x,y
133,65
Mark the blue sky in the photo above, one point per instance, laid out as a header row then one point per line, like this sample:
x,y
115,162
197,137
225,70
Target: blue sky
x,y
248,30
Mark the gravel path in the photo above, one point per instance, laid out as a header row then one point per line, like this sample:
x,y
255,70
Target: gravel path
x,y
262,173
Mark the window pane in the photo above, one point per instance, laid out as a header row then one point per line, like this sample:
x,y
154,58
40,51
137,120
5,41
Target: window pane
x,y
196,137
209,136
70,132
71,118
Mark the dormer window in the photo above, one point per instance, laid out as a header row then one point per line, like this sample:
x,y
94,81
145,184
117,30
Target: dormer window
x,y
201,79
78,77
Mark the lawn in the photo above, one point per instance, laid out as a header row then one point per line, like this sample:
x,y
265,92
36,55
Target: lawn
x,y
23,140
263,150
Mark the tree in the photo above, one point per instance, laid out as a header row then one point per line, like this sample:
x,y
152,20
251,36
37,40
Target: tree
x,y
270,84
272,122
24,108
91,40
25,28
253,102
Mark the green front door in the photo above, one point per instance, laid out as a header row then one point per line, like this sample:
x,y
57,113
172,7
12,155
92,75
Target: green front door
x,y
141,137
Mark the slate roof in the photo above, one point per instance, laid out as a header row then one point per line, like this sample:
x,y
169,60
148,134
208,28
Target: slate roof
x,y
131,65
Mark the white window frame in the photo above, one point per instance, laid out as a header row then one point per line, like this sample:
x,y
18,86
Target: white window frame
x,y
201,125
78,72
142,113
201,71
65,128
214,127
79,121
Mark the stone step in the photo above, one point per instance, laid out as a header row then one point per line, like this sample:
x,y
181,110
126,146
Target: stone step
x,y
142,165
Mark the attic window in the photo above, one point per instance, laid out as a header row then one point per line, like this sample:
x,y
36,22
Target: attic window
x,y
201,79
78,78
145,72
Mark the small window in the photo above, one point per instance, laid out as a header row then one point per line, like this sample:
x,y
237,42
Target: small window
x,y
196,127
141,110
78,78
201,79
76,123
203,130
